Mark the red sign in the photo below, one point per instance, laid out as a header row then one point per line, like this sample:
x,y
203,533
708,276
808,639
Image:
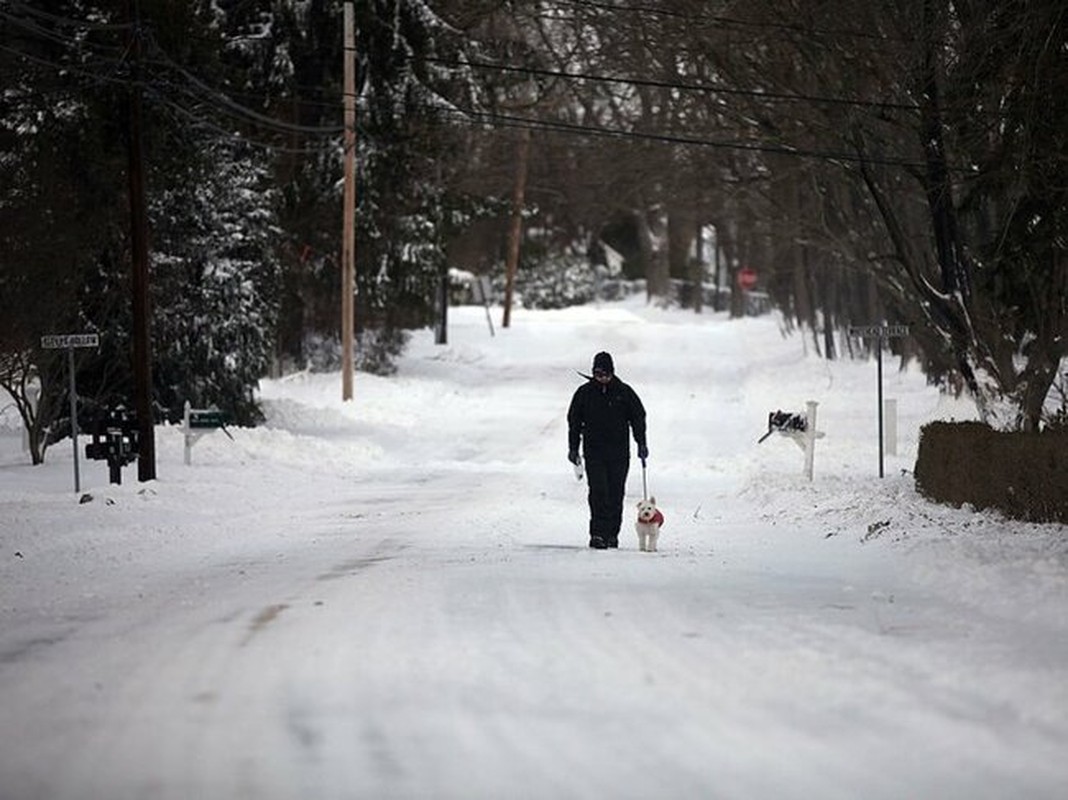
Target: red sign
x,y
747,278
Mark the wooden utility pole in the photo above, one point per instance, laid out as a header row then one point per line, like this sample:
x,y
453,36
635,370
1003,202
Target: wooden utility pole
x,y
142,345
348,239
516,228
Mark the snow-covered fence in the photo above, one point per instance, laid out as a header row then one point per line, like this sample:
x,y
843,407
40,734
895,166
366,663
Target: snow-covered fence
x,y
800,428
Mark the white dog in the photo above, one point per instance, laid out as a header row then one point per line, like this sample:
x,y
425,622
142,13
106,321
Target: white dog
x,y
648,525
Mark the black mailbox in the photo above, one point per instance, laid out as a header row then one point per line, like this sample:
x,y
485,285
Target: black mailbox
x,y
115,440
785,422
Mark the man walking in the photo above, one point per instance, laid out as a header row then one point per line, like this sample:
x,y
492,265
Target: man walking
x,y
601,412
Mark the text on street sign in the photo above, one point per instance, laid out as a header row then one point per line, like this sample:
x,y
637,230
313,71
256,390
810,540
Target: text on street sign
x,y
56,342
880,331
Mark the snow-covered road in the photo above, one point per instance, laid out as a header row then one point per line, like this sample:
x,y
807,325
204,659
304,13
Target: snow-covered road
x,y
393,599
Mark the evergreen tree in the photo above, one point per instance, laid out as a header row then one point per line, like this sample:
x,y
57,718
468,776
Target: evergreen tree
x,y
289,58
405,214
64,263
284,59
215,285
61,178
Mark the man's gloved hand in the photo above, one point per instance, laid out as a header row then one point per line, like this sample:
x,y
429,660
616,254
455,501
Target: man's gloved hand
x,y
573,456
643,452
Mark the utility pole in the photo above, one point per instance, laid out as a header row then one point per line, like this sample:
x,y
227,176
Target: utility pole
x,y
516,228
348,238
142,346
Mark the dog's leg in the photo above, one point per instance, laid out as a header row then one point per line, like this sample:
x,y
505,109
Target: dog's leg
x,y
653,536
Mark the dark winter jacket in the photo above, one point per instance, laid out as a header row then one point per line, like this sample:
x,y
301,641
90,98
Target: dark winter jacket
x,y
600,415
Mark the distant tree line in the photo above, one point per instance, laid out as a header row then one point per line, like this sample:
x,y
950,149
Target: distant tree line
x,y
900,161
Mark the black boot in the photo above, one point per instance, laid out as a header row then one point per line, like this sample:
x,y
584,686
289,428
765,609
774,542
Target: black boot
x,y
597,543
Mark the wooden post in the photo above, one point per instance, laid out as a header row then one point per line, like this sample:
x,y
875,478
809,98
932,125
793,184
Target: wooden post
x,y
348,247
142,345
516,228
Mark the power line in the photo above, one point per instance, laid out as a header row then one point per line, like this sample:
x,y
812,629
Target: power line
x,y
67,68
190,84
221,101
222,105
723,20
70,22
682,86
193,88
196,90
241,113
218,133
71,43
512,121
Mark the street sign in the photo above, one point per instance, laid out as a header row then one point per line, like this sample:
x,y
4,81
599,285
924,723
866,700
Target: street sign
x,y
747,278
68,342
58,342
878,331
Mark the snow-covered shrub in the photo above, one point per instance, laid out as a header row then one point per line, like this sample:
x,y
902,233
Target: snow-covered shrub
x,y
376,351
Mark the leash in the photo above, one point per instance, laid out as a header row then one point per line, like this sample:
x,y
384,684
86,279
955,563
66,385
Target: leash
x,y
645,488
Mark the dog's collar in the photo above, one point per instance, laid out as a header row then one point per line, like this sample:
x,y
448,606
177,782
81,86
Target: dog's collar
x,y
656,519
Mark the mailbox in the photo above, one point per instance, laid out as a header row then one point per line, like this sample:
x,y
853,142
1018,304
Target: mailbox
x,y
115,440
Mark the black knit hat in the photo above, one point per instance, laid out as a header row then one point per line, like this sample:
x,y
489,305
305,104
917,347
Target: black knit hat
x,y
603,361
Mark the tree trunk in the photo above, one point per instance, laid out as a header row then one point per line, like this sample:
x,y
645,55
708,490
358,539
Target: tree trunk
x,y
682,230
657,279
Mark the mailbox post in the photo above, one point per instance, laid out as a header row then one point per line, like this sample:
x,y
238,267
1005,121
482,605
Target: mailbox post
x,y
801,428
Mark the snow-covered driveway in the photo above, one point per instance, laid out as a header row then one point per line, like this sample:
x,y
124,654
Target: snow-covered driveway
x,y
393,599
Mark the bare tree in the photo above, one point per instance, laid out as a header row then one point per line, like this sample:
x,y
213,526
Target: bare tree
x,y
989,272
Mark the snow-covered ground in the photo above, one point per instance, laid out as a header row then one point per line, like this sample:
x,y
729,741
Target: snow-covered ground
x,y
393,598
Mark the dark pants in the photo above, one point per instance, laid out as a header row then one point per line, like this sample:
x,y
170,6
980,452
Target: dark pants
x,y
607,481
